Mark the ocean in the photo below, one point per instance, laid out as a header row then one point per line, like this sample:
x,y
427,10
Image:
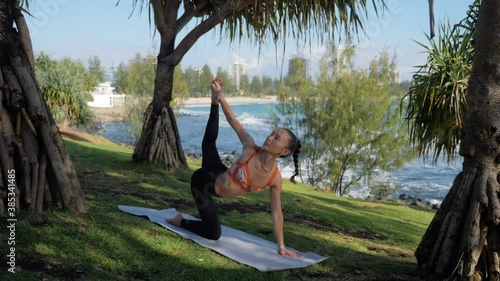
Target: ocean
x,y
418,178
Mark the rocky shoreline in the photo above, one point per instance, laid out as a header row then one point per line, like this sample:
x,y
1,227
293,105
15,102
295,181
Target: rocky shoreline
x,y
415,201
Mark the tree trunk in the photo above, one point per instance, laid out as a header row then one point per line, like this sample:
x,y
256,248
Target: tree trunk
x,y
160,141
31,147
463,240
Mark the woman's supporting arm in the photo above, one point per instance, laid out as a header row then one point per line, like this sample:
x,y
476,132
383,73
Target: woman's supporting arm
x,y
277,216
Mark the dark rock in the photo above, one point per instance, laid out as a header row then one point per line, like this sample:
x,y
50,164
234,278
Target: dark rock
x,y
405,197
419,204
194,156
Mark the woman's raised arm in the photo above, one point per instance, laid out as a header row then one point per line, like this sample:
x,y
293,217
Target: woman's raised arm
x,y
243,135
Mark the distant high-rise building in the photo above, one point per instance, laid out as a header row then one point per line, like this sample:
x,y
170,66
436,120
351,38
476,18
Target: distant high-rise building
x,y
397,75
301,64
236,70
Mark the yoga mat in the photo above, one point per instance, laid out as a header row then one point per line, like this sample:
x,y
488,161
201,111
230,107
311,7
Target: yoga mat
x,y
234,244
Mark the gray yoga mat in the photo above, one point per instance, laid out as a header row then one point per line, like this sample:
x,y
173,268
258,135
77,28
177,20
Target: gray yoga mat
x,y
234,244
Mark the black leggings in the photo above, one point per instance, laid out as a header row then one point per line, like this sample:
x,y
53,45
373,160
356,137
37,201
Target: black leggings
x,y
203,182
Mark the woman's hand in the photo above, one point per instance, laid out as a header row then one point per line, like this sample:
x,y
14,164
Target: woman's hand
x,y
286,252
216,85
216,88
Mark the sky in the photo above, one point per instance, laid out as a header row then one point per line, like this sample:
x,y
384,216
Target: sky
x,y
81,29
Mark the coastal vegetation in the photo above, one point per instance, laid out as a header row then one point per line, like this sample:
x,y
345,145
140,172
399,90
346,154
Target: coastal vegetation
x,y
65,85
437,99
348,120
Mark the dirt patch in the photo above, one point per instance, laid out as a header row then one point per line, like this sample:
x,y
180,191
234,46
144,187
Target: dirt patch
x,y
310,275
153,197
365,234
357,274
402,278
80,136
390,253
46,270
39,221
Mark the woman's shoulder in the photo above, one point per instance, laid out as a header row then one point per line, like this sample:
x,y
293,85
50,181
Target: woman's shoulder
x,y
251,149
248,152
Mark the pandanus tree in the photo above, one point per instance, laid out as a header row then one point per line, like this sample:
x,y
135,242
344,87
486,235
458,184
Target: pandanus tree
x,y
452,103
259,20
35,166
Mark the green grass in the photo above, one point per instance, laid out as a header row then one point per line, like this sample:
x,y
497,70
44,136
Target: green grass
x,y
364,240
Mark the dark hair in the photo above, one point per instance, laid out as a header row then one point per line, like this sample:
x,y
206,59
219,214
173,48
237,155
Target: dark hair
x,y
294,147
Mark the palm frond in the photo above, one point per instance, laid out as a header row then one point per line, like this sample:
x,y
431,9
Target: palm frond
x,y
262,21
274,20
436,101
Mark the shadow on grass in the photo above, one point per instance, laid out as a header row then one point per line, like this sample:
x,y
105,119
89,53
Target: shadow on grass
x,y
354,215
111,252
107,244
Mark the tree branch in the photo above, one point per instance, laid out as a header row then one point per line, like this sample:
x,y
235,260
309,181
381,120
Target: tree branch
x,y
202,28
171,16
175,57
160,22
431,17
168,32
186,17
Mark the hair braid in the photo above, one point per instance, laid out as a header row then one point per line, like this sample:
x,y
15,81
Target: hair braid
x,y
294,146
296,161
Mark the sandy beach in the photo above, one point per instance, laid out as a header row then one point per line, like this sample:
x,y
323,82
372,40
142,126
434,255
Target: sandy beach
x,y
117,113
231,100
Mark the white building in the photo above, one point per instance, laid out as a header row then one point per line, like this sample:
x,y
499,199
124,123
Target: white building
x,y
236,70
105,96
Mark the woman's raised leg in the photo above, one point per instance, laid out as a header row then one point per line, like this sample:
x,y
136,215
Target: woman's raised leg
x,y
209,151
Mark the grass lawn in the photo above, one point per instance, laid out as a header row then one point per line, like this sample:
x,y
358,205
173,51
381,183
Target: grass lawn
x,y
364,240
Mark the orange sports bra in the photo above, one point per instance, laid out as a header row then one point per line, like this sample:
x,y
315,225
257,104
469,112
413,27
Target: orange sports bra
x,y
240,174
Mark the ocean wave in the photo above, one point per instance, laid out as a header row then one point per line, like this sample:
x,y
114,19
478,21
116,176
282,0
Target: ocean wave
x,y
185,112
252,120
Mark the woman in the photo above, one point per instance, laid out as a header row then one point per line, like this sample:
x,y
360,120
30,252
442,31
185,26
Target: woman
x,y
254,170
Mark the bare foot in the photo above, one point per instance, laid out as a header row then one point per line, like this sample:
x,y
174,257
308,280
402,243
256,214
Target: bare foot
x,y
176,220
